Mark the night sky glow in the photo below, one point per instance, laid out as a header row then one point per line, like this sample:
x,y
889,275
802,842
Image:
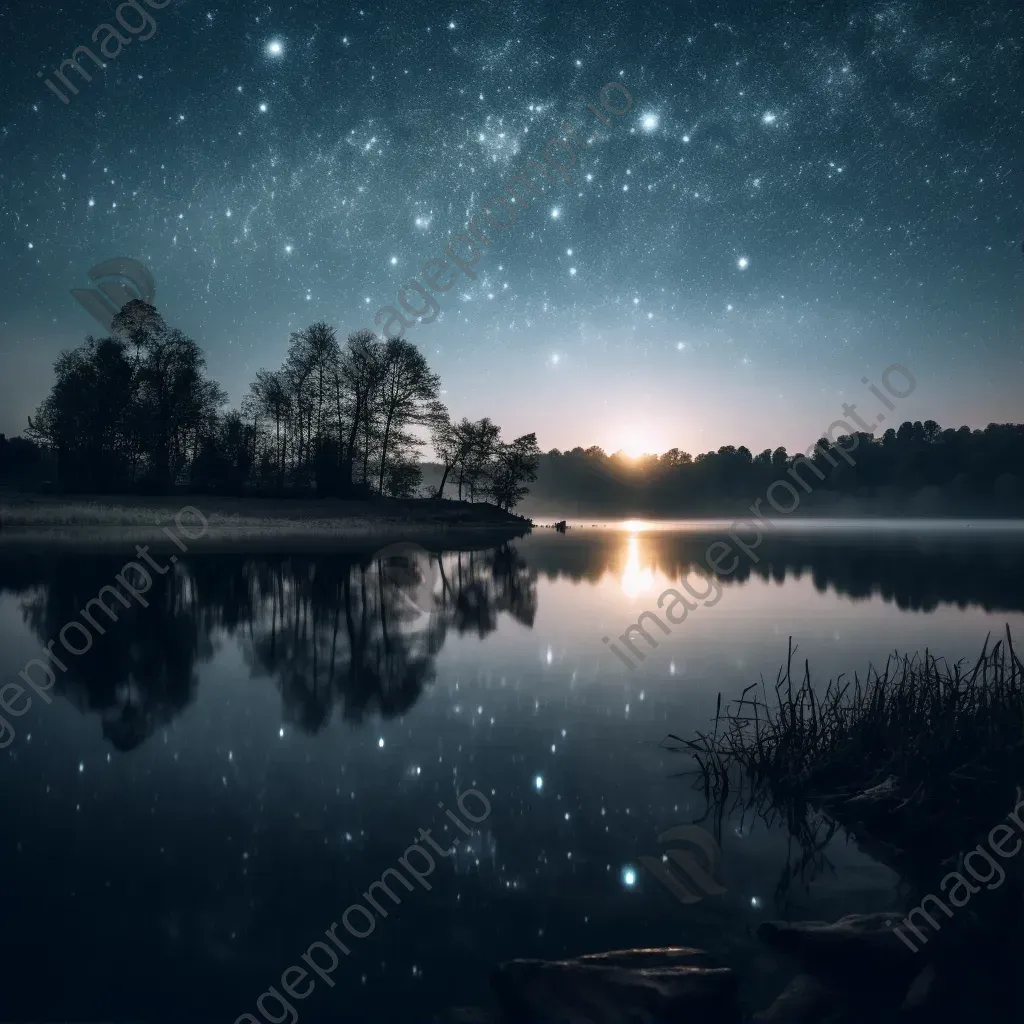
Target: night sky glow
x,y
799,196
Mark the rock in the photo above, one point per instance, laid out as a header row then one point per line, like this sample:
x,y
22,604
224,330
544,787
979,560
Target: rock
x,y
630,986
863,940
857,962
803,1001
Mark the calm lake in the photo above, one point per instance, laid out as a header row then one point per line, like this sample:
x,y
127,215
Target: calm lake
x,y
229,768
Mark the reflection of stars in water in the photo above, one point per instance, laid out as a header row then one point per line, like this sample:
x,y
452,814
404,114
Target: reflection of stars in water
x,y
474,849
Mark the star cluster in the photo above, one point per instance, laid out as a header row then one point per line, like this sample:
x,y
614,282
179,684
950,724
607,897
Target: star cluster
x,y
798,194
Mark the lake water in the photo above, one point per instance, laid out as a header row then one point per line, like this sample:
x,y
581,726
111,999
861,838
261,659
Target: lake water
x,y
229,768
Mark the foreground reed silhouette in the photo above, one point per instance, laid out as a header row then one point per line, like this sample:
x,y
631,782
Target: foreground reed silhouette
x,y
916,762
922,754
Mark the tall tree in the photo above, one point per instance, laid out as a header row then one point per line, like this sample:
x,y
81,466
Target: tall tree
x,y
408,386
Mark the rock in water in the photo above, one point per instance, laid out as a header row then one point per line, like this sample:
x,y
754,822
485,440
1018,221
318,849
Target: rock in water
x,y
855,963
629,986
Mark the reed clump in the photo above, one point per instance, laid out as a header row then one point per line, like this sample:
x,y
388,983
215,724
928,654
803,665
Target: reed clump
x,y
914,758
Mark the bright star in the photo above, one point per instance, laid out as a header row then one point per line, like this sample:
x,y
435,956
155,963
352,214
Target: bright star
x,y
556,213
743,263
629,877
650,122
538,782
275,48
769,118
263,108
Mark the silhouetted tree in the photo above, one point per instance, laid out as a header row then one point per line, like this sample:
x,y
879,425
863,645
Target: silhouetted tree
x,y
515,465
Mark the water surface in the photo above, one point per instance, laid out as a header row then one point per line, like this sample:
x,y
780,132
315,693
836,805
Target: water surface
x,y
229,768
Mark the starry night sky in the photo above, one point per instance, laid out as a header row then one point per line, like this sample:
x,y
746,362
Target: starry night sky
x,y
801,195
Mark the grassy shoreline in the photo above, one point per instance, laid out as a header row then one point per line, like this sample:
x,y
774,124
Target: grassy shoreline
x,y
116,520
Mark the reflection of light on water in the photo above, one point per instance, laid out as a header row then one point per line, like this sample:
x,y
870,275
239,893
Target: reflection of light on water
x,y
635,580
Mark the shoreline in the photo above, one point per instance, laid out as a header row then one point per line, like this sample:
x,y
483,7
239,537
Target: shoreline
x,y
338,525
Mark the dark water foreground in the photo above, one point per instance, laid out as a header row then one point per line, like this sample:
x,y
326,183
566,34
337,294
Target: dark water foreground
x,y
229,768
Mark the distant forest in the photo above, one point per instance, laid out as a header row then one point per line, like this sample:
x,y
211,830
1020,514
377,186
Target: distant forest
x,y
136,412
916,468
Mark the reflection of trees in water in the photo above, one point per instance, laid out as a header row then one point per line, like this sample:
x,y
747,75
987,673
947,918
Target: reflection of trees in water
x,y
328,629
139,672
477,585
914,572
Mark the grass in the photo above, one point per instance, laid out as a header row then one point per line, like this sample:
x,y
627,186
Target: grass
x,y
916,758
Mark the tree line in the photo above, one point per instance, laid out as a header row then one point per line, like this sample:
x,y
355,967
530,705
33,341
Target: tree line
x,y
137,411
952,467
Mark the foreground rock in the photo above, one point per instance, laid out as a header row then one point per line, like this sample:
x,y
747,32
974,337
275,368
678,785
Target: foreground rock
x,y
630,986
851,971
855,966
855,969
